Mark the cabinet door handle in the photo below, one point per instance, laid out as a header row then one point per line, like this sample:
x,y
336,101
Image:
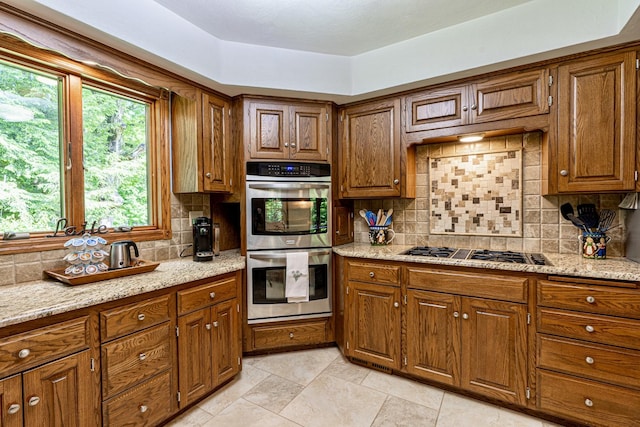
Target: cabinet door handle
x,y
589,328
589,360
564,172
212,295
208,326
396,304
208,175
293,145
143,408
372,274
396,181
215,324
14,408
590,299
465,108
286,144
465,316
142,356
474,107
141,317
24,353
588,402
33,401
456,314
291,335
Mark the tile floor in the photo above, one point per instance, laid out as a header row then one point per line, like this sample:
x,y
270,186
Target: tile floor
x,y
318,388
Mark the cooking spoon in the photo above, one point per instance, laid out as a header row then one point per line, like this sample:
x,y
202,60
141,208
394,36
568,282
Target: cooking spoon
x,y
363,214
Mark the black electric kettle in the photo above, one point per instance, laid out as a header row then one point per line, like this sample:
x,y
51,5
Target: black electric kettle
x,y
120,255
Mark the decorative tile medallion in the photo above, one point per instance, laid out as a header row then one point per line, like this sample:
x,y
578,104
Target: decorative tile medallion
x,y
476,194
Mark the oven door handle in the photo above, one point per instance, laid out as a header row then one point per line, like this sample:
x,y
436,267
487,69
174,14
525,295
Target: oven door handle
x,y
280,257
288,186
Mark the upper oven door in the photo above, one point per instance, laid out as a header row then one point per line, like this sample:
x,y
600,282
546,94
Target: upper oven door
x,y
288,214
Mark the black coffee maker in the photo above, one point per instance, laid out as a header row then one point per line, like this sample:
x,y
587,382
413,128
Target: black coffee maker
x,y
202,239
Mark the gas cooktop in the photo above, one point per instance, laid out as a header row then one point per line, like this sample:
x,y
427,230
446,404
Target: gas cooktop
x,y
478,254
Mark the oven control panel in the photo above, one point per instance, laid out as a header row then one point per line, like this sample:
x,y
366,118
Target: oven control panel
x,y
288,169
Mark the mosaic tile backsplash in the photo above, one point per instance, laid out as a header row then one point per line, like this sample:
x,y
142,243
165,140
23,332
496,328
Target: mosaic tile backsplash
x,y
476,194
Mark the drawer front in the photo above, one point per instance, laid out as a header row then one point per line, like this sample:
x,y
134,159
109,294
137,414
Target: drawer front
x,y
588,401
145,405
205,295
590,327
493,286
134,317
283,336
591,299
594,361
23,351
131,359
374,273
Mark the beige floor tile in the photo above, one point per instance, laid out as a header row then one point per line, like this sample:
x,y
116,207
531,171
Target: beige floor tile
x,y
195,417
459,411
248,378
245,414
330,401
300,366
342,368
412,391
396,412
274,393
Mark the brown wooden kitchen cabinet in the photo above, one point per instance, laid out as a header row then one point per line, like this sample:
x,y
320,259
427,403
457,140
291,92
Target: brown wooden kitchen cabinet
x,y
343,224
281,130
507,96
372,159
50,375
592,141
372,316
588,350
208,336
203,160
454,337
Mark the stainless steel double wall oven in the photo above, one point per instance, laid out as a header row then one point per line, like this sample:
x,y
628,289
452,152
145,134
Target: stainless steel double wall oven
x,y
288,209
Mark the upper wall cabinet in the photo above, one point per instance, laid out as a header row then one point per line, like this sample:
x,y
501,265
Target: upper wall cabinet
x,y
593,138
503,97
371,152
288,131
201,144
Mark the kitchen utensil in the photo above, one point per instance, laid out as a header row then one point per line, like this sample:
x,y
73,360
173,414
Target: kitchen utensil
x,y
387,221
371,218
120,255
567,213
606,219
379,217
363,214
589,215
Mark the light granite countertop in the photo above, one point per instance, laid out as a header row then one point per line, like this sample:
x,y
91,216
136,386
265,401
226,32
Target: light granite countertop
x,y
562,265
34,300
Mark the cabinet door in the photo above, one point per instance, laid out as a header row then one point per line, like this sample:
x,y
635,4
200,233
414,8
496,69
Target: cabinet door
x,y
596,124
269,136
510,96
343,224
309,132
11,402
494,349
370,156
374,323
437,109
225,349
216,144
61,393
194,355
433,336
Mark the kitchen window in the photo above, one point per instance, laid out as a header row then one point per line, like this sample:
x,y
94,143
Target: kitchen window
x,y
83,146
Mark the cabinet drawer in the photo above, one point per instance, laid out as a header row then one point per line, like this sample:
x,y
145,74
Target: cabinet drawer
x,y
205,295
589,401
594,361
131,359
590,327
283,336
374,273
123,320
23,351
145,405
493,286
592,299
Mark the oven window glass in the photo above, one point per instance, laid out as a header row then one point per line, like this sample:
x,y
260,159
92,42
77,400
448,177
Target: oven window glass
x,y
285,216
269,284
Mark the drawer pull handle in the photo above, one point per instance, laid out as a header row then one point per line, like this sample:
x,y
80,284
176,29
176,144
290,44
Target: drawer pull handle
x,y
588,402
14,408
589,328
290,334
212,295
372,274
141,317
591,299
589,360
143,408
33,401
142,356
24,353
465,316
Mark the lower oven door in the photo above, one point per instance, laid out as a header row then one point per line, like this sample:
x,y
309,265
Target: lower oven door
x,y
266,301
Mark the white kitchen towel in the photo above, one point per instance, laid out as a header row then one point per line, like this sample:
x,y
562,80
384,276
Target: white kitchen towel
x,y
297,277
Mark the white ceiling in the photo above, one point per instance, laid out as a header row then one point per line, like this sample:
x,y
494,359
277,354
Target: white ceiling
x,y
337,27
